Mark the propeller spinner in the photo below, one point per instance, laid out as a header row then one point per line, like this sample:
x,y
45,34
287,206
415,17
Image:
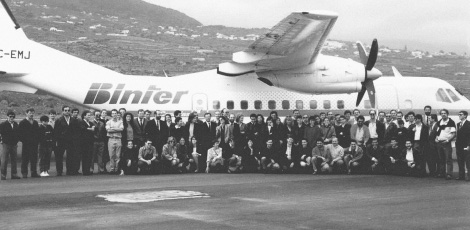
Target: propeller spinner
x,y
370,72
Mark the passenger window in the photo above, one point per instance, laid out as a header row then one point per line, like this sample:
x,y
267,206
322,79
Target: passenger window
x,y
408,104
367,104
452,95
230,105
340,104
271,104
285,104
216,104
313,104
258,104
442,96
244,104
326,104
299,104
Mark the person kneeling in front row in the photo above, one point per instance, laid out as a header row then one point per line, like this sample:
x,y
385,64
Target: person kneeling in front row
x,y
320,158
411,157
148,159
270,158
215,162
129,160
170,159
353,157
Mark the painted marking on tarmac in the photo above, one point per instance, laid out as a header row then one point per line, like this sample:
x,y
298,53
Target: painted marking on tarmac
x,y
143,197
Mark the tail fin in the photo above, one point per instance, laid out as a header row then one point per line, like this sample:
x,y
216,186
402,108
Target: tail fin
x,y
9,27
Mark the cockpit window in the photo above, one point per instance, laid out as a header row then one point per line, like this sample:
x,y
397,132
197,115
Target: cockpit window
x,y
442,96
452,95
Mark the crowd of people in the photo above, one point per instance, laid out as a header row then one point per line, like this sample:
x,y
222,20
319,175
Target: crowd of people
x,y
389,142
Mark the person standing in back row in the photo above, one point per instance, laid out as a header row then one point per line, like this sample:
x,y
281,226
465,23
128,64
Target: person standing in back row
x,y
28,131
114,128
65,128
444,136
9,132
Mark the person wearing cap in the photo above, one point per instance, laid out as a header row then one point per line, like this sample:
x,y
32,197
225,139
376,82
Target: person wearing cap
x,y
10,135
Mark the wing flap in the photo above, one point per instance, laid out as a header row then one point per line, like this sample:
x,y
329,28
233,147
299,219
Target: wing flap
x,y
295,41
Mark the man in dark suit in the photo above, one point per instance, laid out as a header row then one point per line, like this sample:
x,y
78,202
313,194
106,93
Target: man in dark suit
x,y
431,156
419,134
65,129
155,131
271,133
28,130
140,124
462,145
9,132
207,134
389,132
411,158
343,132
376,128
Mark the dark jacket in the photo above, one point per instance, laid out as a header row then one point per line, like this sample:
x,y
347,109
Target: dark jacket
x,y
139,130
64,131
28,132
423,137
86,136
343,135
10,135
463,135
380,129
46,135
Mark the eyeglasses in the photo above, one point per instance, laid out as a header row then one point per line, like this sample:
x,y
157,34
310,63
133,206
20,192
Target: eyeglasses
x,y
372,114
171,141
460,114
66,110
11,116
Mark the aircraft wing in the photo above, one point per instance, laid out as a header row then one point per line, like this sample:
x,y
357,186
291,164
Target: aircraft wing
x,y
295,41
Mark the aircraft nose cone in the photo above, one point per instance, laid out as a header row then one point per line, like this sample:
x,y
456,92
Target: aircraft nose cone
x,y
373,74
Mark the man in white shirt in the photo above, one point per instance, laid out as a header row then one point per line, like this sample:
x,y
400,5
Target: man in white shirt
x,y
444,136
411,157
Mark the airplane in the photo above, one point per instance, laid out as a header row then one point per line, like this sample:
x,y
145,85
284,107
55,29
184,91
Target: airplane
x,y
283,70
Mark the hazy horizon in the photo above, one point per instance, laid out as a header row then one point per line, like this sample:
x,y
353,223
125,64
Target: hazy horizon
x,y
430,25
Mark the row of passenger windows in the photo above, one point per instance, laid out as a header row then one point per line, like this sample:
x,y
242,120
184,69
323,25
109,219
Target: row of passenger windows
x,y
285,104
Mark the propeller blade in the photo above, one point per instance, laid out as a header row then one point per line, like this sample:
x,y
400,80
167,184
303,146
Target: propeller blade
x,y
362,53
371,92
360,95
374,51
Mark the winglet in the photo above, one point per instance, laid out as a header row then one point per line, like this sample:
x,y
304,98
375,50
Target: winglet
x,y
395,72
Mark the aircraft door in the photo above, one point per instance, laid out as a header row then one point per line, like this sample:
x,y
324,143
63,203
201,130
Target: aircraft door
x,y
386,97
200,102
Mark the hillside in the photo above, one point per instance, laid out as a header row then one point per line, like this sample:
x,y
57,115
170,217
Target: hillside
x,y
135,37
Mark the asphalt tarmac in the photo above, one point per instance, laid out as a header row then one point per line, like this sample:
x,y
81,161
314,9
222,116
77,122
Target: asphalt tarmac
x,y
237,201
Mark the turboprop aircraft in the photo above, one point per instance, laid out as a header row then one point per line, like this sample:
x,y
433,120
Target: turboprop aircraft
x,y
283,70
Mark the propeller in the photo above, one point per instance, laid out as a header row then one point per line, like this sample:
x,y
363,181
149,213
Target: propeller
x,y
371,73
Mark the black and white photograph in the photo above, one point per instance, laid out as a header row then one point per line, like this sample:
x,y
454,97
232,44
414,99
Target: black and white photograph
x,y
234,114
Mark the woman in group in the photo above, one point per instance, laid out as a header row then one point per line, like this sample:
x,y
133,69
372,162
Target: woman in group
x,y
195,150
281,131
178,131
289,128
223,133
183,156
328,131
250,158
129,129
215,162
191,127
129,159
240,128
169,157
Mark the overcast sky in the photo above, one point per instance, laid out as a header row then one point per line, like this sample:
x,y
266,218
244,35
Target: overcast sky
x,y
423,24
